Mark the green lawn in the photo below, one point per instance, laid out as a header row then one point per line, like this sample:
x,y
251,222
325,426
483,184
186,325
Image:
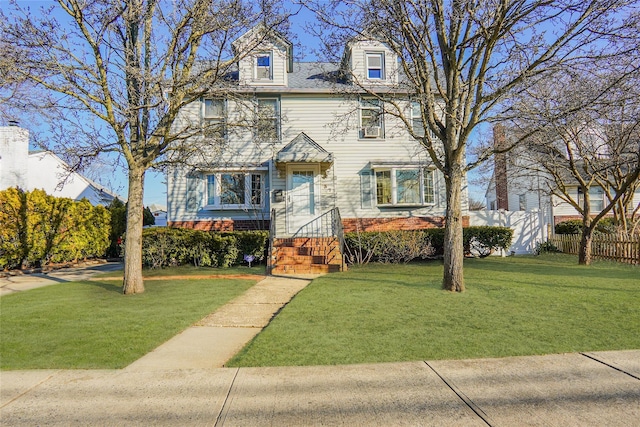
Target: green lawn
x,y
512,306
92,325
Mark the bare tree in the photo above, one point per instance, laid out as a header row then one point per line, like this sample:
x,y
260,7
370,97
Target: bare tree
x,y
460,61
583,132
118,73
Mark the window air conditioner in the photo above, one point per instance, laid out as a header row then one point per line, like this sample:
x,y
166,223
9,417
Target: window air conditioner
x,y
371,131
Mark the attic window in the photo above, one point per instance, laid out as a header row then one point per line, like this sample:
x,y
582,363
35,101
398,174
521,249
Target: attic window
x,y
264,66
375,66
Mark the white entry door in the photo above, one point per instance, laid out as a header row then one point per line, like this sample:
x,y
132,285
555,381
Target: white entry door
x,y
302,196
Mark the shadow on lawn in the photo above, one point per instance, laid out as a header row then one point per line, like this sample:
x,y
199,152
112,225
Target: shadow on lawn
x,y
110,286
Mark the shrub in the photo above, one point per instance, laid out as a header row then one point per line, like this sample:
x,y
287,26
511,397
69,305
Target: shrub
x,y
36,229
574,226
545,247
165,247
387,246
483,240
404,246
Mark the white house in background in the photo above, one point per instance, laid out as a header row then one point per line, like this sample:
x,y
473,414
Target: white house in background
x,y
314,150
43,170
515,188
159,214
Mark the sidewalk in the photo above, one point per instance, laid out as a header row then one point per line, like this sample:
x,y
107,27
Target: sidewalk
x,y
25,282
556,390
181,383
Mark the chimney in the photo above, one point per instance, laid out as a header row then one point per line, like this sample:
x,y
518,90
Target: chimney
x,y
500,168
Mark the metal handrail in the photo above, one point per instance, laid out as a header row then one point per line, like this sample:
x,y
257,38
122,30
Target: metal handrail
x,y
328,224
272,235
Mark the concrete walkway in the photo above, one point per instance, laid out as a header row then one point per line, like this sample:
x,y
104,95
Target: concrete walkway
x,y
219,336
181,384
24,282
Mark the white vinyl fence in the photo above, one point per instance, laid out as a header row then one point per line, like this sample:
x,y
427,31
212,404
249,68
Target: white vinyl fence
x,y
529,228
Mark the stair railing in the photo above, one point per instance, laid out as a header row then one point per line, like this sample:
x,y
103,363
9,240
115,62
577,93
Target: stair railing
x,y
329,224
272,236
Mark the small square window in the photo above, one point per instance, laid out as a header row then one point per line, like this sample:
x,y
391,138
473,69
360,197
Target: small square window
x,y
264,70
375,66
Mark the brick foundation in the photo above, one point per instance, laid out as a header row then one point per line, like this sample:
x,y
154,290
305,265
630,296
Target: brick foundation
x,y
387,224
222,225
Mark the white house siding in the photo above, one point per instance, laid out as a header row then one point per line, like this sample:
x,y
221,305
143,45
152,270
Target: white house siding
x,y
358,62
14,152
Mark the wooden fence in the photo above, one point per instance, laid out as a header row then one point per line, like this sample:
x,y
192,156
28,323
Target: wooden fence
x,y
617,248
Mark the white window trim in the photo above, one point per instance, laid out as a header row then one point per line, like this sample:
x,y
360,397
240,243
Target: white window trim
x,y
394,186
256,67
277,118
592,191
380,109
222,119
381,55
217,205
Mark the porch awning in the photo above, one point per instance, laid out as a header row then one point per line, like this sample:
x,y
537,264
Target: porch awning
x,y
303,149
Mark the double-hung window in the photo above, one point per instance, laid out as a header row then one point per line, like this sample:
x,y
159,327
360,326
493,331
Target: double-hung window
x,y
404,186
371,118
268,120
596,199
375,65
234,190
416,119
214,118
264,66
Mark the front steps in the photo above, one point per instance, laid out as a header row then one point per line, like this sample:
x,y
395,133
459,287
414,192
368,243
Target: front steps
x,y
306,255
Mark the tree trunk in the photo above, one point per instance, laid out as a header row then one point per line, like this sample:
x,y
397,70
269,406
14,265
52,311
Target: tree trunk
x,y
584,252
133,283
453,279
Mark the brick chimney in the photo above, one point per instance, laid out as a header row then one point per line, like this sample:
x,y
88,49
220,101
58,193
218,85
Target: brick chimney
x,y
500,168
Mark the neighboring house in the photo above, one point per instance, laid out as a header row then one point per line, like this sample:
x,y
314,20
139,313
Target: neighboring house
x,y
160,215
314,145
514,187
43,170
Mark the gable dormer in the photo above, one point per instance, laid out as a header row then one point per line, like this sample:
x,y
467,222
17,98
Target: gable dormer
x,y
266,57
370,62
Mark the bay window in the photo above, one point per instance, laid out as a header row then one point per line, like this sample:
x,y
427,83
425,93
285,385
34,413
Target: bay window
x,y
234,190
404,186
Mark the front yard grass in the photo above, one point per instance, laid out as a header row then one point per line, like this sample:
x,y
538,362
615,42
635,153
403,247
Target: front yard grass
x,y
513,306
91,325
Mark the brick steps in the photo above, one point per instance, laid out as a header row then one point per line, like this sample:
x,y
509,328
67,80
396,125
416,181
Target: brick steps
x,y
306,255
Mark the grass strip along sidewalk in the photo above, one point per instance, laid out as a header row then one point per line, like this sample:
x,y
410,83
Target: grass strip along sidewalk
x,y
513,306
91,325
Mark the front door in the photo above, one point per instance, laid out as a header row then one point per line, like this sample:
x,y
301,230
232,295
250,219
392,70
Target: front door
x,y
302,196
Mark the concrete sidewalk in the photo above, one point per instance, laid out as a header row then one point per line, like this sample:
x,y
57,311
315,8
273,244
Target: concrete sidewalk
x,y
24,282
557,390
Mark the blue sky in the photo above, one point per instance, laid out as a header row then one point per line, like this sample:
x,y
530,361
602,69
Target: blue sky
x,y
155,184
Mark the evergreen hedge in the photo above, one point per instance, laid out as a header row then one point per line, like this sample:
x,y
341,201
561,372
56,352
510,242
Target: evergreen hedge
x,y
37,229
165,247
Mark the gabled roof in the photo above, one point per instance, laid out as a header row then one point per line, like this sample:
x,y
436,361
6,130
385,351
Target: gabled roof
x,y
303,149
261,31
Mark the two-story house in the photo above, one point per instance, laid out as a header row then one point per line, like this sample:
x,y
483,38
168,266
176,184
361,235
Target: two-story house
x,y
300,143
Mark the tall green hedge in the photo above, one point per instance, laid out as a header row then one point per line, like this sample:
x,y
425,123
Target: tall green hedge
x,y
37,229
164,247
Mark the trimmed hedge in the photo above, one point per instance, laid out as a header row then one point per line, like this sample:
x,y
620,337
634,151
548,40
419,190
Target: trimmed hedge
x,y
404,246
37,229
574,226
165,247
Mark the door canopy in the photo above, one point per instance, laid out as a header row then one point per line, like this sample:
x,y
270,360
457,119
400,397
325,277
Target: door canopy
x,y
303,149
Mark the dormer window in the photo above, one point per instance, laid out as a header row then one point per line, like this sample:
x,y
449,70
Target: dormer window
x,y
375,66
264,66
